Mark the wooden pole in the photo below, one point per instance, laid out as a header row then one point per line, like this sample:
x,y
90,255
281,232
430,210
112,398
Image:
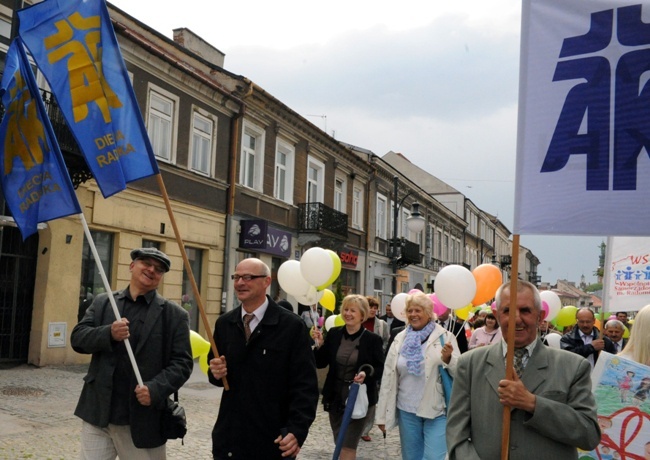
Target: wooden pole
x,y
510,340
190,274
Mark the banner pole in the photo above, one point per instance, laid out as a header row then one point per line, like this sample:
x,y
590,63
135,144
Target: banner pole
x,y
510,340
109,291
190,274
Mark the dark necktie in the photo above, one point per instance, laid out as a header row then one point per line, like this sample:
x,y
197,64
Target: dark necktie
x,y
248,317
520,354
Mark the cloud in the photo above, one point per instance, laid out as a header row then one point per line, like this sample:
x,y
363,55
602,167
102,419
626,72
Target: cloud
x,y
446,71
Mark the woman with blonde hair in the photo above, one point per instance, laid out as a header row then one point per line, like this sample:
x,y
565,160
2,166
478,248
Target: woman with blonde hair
x,y
638,345
411,395
345,349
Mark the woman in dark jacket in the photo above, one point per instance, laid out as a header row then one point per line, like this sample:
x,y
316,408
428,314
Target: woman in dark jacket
x,y
345,350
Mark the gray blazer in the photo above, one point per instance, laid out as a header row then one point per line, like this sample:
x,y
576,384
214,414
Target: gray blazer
x,y
93,335
564,417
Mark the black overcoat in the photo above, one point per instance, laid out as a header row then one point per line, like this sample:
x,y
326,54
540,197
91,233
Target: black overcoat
x,y
92,335
272,380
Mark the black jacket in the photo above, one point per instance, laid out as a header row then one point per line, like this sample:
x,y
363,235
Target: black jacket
x,y
93,335
572,342
272,380
370,352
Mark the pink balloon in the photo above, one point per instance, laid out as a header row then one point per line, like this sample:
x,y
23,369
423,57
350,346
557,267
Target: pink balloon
x,y
415,291
494,307
438,307
544,309
611,318
321,320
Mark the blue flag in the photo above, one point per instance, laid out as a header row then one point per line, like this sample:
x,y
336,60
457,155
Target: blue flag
x,y
35,182
75,47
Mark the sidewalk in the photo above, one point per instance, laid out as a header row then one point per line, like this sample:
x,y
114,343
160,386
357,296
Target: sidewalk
x,y
37,421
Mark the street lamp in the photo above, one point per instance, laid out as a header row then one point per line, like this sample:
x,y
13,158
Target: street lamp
x,y
415,223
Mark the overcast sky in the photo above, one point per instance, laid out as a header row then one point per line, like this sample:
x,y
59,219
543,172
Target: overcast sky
x,y
436,82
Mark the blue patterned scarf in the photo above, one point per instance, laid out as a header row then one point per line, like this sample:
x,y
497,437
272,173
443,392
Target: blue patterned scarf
x,y
412,348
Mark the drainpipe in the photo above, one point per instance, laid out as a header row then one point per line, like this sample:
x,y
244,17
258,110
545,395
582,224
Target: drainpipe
x,y
230,198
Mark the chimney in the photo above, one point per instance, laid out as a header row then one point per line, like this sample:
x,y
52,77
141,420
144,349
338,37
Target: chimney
x,y
192,42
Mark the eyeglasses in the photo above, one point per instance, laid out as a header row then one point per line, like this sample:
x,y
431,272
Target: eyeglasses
x,y
148,263
246,278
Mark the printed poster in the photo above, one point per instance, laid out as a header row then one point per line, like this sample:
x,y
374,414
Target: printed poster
x,y
621,388
627,274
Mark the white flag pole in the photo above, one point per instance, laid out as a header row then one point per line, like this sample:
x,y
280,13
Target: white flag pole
x,y
107,286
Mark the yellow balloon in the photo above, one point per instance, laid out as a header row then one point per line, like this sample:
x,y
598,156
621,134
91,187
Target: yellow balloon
x,y
463,313
566,316
328,301
203,363
336,271
200,346
338,321
626,332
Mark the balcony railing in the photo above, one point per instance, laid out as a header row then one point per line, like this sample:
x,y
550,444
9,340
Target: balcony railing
x,y
408,253
437,264
318,218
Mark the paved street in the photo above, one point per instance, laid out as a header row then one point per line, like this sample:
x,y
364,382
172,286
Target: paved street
x,y
37,421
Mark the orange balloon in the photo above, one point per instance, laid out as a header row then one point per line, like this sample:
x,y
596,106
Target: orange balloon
x,y
488,279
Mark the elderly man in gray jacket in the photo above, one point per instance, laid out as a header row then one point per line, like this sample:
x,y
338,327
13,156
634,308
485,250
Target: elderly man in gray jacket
x,y
553,408
119,416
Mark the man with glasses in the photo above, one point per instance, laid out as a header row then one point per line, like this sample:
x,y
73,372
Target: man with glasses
x,y
267,360
119,416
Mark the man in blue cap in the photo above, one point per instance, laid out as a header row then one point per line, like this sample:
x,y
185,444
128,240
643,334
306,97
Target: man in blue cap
x,y
121,417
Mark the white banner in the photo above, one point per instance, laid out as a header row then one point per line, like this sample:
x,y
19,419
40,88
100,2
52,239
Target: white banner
x,y
584,118
626,280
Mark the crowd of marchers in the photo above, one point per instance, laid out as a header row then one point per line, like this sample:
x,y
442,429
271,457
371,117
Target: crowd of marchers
x,y
268,360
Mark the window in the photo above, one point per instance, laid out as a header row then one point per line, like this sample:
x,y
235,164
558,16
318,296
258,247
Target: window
x,y
202,136
445,249
339,194
252,157
151,244
378,292
315,181
91,281
284,158
381,216
357,208
5,28
160,125
188,301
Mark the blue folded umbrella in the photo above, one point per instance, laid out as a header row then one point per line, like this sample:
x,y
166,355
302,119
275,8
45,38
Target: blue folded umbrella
x,y
347,416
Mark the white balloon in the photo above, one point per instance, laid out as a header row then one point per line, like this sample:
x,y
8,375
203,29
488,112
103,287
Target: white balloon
x,y
316,266
554,304
311,297
553,340
329,322
291,280
398,306
455,286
